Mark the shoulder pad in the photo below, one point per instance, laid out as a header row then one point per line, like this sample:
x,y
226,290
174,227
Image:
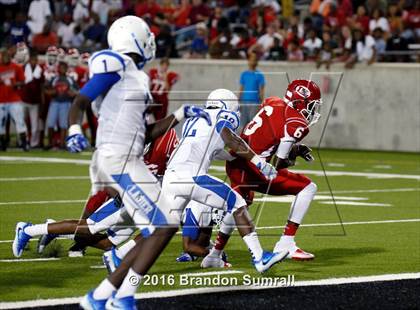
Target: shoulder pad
x,y
296,128
106,61
272,101
230,116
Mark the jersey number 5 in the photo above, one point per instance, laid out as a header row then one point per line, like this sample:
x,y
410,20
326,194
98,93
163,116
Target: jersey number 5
x,y
257,121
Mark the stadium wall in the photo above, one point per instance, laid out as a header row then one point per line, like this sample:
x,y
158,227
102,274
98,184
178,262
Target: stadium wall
x,y
377,107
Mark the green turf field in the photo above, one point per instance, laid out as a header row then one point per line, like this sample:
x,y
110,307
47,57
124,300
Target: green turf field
x,y
368,187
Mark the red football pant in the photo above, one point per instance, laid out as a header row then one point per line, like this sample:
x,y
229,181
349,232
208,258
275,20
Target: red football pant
x,y
246,178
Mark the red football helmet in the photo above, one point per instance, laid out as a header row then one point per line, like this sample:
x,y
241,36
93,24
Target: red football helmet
x,y
61,56
22,53
305,97
52,54
73,57
85,58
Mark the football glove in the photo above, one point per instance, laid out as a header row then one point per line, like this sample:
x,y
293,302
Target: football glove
x,y
305,152
265,168
76,141
188,111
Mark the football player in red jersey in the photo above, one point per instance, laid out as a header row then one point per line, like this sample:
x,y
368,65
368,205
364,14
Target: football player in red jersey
x,y
156,156
276,131
162,81
76,71
50,66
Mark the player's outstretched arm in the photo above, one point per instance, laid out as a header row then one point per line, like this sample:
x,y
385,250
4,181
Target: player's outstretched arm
x,y
160,127
242,149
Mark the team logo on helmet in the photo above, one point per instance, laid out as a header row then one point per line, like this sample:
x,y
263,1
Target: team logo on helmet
x,y
303,91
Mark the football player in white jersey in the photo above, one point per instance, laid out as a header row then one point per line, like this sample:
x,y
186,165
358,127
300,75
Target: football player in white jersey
x,y
122,87
186,179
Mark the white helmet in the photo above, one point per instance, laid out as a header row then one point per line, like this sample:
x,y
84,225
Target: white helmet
x,y
223,99
131,34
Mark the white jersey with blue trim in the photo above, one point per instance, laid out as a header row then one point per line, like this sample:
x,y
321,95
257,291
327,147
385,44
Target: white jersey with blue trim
x,y
121,123
201,143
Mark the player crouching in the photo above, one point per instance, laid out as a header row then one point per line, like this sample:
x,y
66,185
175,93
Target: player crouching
x,y
276,131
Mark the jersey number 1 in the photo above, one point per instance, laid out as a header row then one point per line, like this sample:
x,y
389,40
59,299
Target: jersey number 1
x,y
257,121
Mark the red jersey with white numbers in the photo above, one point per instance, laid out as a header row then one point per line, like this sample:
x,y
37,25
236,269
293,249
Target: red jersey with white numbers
x,y
274,120
158,82
159,151
79,74
49,71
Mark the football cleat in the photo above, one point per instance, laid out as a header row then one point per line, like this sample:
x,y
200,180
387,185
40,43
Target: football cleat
x,y
126,303
21,239
44,240
90,303
268,260
111,260
295,253
214,262
76,250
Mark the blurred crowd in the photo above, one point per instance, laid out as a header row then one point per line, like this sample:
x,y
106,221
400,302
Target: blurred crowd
x,y
36,92
323,31
36,95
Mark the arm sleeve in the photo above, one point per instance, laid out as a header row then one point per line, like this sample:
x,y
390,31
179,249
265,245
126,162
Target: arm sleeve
x,y
99,84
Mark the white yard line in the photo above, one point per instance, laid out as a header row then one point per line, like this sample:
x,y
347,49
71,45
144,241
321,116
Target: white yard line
x,y
203,290
25,260
221,168
22,179
303,225
345,173
346,223
54,160
355,203
390,190
212,273
40,202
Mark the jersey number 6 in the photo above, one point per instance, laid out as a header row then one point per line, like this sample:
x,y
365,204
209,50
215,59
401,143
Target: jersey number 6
x,y
257,120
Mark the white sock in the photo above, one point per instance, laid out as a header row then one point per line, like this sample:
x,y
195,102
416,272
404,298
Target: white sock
x,y
215,252
36,230
104,290
125,248
302,202
228,224
254,245
287,239
130,284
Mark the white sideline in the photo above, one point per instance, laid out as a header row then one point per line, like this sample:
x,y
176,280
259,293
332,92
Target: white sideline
x,y
346,223
22,179
203,290
305,225
40,202
221,168
25,260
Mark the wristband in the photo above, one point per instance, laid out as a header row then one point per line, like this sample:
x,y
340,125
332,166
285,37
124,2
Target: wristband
x,y
256,160
75,129
179,114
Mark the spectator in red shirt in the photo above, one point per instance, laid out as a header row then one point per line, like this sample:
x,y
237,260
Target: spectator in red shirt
x,y
182,13
11,78
294,52
200,12
361,20
147,8
42,41
32,95
162,81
